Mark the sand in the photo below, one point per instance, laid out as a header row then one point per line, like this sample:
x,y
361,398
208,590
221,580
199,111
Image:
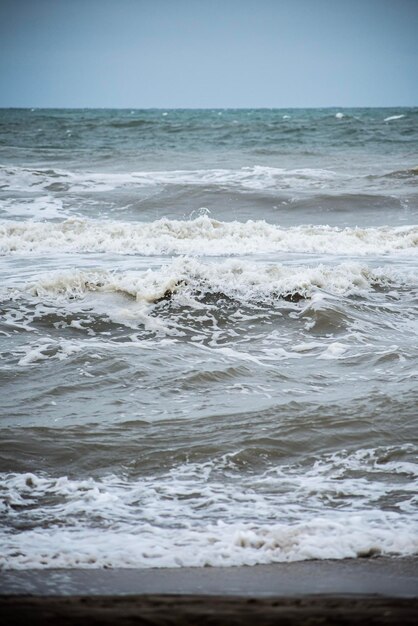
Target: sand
x,y
362,591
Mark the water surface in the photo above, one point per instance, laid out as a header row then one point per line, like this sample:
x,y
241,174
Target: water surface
x,y
208,336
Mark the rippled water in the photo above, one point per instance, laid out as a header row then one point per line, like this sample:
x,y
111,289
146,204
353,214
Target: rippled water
x,y
208,334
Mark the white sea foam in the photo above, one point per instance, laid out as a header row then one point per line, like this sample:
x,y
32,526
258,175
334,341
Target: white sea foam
x,y
193,516
334,351
393,117
257,177
48,349
238,279
200,236
334,537
128,298
38,207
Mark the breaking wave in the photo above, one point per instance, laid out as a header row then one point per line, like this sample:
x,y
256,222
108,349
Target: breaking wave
x,y
208,514
237,279
200,236
257,177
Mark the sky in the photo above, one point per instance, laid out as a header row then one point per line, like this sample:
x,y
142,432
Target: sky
x,y
208,53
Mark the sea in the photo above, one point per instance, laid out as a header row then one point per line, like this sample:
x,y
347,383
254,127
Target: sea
x,y
208,336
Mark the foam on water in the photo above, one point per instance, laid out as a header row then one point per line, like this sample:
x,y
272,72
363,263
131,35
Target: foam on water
x,y
184,390
257,177
187,299
210,514
43,207
187,280
200,236
393,117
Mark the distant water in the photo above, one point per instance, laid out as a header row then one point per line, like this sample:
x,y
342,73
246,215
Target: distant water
x,y
208,336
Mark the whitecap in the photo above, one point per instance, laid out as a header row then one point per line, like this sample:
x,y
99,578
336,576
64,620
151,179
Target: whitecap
x,y
190,516
393,117
200,236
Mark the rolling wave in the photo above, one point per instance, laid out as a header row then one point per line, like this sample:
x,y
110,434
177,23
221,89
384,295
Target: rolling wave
x,y
252,178
241,280
200,236
287,513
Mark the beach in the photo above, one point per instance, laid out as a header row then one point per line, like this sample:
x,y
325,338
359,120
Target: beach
x,y
377,591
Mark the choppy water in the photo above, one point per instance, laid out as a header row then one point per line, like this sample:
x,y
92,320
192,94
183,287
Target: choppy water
x,y
208,334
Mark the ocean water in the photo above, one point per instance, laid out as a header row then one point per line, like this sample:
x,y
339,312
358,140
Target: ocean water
x,y
208,336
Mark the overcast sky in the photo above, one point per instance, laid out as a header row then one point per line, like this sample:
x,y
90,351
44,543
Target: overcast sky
x,y
195,53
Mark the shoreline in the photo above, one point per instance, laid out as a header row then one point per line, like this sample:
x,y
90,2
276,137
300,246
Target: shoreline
x,y
383,576
354,591
208,610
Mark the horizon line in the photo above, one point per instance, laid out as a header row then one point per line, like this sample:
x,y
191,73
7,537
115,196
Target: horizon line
x,y
207,108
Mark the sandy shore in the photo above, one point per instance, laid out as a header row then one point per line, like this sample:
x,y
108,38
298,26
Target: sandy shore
x,y
362,591
207,610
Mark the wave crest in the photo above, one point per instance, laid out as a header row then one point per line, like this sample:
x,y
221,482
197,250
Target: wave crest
x,y
240,280
200,236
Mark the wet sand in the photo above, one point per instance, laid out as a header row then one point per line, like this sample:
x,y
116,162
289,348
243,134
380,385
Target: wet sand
x,y
362,591
207,610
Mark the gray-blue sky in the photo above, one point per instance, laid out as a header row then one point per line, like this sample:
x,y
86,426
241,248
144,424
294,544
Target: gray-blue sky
x,y
213,53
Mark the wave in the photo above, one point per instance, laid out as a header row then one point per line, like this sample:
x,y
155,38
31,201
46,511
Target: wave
x,y
246,178
199,514
392,118
222,545
406,173
132,124
243,281
187,301
200,236
175,299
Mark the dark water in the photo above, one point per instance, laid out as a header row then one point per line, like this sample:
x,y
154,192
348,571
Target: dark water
x,y
208,336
